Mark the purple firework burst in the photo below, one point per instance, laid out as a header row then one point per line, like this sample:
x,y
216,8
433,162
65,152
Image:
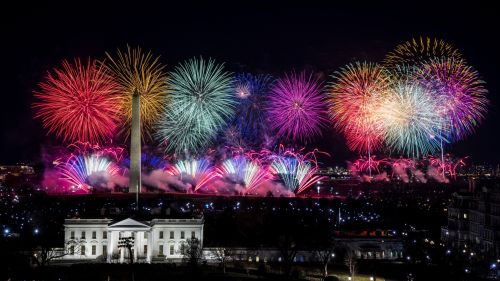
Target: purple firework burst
x,y
296,107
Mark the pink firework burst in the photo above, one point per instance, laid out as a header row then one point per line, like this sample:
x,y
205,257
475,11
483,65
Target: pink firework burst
x,y
296,107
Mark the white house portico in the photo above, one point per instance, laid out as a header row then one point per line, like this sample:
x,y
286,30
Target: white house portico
x,y
157,240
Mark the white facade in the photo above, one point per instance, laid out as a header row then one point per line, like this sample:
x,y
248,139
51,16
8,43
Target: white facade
x,y
157,240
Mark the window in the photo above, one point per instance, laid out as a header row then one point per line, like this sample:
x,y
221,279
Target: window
x,y
145,249
72,235
93,250
161,250
145,235
83,234
171,235
465,215
94,234
71,250
82,249
171,249
161,234
104,250
193,235
104,235
182,235
119,235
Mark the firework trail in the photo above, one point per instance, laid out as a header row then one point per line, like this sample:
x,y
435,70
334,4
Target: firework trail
x,y
297,170
141,72
79,102
197,172
296,107
202,103
250,173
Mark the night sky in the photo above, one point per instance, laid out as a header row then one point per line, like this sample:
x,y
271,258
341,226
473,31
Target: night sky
x,y
249,36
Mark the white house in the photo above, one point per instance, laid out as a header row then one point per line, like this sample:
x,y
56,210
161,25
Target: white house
x,y
158,240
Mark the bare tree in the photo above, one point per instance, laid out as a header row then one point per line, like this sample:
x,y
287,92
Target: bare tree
x,y
127,243
44,254
325,255
350,261
288,249
223,256
192,252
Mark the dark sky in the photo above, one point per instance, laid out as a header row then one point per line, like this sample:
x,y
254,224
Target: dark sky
x,y
249,36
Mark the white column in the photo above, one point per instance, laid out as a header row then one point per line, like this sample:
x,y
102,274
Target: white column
x,y
110,246
150,246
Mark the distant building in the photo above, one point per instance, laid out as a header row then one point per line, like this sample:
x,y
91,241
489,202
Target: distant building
x,y
474,221
15,170
158,240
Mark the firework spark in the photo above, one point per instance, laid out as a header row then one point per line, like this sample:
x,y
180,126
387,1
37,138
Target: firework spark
x,y
414,51
296,107
202,103
79,103
141,72
353,99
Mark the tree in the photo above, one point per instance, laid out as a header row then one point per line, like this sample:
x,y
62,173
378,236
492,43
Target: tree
x,y
288,249
127,243
351,262
44,254
324,252
192,252
223,256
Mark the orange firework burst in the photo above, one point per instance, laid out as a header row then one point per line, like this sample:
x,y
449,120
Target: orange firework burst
x,y
353,98
414,51
141,72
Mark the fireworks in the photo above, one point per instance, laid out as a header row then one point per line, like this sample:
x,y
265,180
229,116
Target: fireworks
x,y
460,93
415,51
250,173
296,169
79,103
196,172
353,99
410,119
447,166
296,107
79,170
252,95
141,72
202,102
368,165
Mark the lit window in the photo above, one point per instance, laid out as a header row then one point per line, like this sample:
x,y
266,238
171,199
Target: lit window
x,y
171,249
161,234
465,215
104,249
104,235
94,250
145,235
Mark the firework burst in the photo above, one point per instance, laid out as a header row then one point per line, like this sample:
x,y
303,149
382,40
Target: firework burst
x,y
414,51
141,72
296,107
461,95
202,103
79,102
410,118
252,96
353,99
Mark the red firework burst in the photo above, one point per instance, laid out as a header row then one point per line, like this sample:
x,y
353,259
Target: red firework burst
x,y
78,102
